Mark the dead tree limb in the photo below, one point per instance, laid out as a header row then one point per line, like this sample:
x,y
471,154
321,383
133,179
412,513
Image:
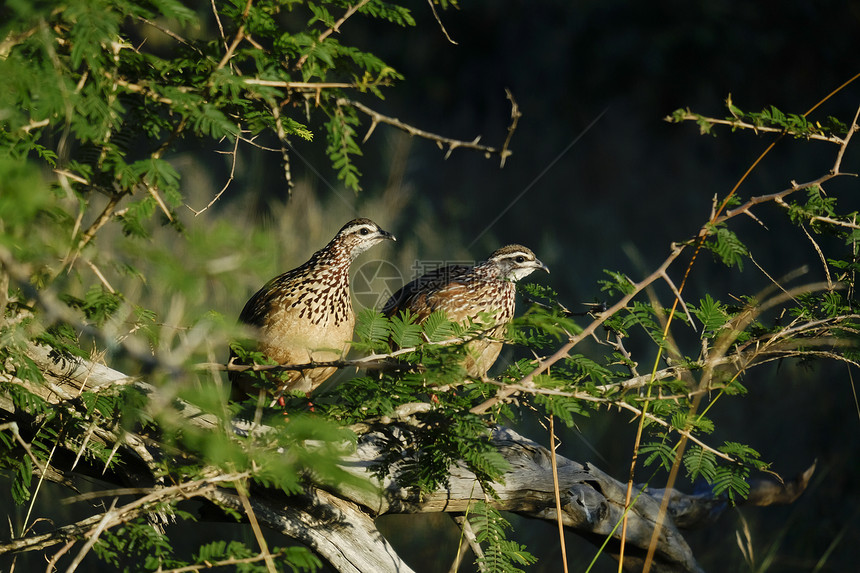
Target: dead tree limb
x,y
336,521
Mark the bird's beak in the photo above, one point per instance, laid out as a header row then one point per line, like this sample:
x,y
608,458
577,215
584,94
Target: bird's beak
x,y
386,235
541,266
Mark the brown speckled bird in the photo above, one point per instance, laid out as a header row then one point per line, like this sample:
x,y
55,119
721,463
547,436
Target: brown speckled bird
x,y
305,315
466,292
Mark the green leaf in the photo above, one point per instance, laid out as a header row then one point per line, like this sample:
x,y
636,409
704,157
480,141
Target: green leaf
x,y
618,283
437,327
342,146
660,452
711,313
404,332
500,554
728,247
175,9
372,329
700,462
732,481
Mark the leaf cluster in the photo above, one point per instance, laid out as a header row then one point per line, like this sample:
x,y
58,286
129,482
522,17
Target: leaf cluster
x,y
501,555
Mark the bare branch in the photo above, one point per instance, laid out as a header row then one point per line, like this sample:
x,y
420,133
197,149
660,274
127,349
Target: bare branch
x,y
168,32
441,141
233,155
311,86
515,118
851,131
439,21
89,525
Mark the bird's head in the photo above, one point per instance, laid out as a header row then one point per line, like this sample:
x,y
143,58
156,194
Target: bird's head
x,y
515,262
359,235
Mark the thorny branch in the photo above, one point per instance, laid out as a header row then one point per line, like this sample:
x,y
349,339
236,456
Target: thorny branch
x,y
723,342
738,123
237,39
441,141
564,351
806,336
233,156
141,506
661,272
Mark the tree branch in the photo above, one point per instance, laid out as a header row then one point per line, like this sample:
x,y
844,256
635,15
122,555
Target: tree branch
x,y
441,141
338,523
740,124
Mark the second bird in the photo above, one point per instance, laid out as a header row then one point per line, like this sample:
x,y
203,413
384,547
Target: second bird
x,y
465,292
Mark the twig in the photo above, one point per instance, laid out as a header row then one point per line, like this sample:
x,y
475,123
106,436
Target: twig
x,y
87,526
680,299
240,35
737,123
835,222
13,427
223,563
468,538
233,155
35,125
168,32
684,433
285,144
12,39
153,191
820,256
365,361
439,21
851,131
146,91
91,231
93,536
558,513
312,86
255,526
55,558
441,141
218,21
515,118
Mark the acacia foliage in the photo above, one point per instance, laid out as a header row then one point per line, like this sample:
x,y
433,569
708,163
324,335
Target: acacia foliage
x,y
89,118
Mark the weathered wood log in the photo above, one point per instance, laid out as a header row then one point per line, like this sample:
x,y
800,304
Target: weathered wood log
x,y
337,521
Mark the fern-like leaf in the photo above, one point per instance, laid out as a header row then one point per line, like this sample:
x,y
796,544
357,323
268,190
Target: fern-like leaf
x,y
437,327
404,332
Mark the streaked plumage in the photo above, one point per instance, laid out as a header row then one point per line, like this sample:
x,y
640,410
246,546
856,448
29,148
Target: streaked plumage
x,y
305,315
465,292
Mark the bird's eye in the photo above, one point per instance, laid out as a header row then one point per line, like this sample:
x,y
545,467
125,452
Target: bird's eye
x,y
364,231
520,259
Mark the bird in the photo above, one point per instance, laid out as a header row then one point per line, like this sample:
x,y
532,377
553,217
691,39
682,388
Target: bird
x,y
305,315
465,292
